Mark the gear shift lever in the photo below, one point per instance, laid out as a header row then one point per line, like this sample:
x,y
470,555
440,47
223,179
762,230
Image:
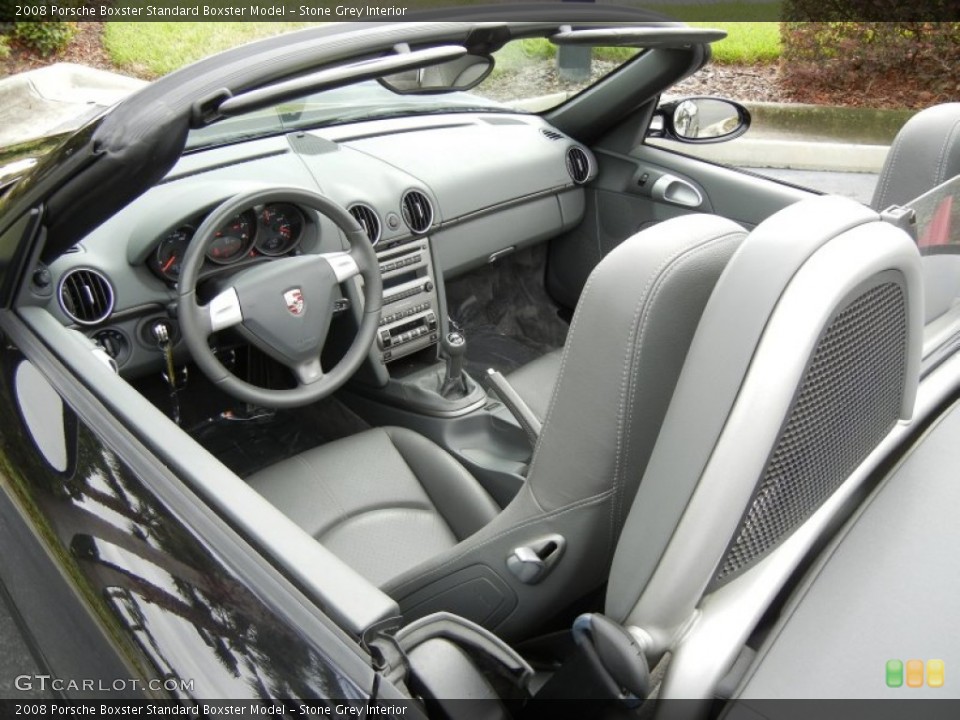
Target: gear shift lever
x,y
454,346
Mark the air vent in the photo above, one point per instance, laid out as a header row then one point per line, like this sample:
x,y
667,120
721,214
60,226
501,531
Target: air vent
x,y
369,221
86,296
551,134
578,165
417,211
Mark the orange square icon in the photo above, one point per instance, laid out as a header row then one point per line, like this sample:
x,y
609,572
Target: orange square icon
x,y
914,673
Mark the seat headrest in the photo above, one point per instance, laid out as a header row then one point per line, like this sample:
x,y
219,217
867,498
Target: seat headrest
x,y
925,153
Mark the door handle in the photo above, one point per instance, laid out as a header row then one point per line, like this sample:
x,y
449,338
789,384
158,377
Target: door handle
x,y
673,190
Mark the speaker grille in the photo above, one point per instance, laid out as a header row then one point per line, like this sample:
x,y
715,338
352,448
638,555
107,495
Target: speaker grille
x,y
849,399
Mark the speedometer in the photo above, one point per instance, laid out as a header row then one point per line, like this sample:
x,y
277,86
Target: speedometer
x,y
281,228
234,239
170,252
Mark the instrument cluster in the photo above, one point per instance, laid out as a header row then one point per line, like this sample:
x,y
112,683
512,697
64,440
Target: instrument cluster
x,y
269,230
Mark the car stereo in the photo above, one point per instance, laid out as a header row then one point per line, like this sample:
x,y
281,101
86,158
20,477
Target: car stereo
x,y
408,320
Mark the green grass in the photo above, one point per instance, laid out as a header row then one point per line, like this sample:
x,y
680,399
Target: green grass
x,y
746,42
152,49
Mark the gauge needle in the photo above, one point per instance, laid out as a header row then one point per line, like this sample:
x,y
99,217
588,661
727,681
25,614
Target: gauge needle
x,y
169,263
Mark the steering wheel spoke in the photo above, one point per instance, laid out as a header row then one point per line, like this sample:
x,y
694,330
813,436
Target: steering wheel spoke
x,y
224,310
308,372
343,264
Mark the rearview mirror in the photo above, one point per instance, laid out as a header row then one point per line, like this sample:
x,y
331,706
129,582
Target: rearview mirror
x,y
459,74
700,120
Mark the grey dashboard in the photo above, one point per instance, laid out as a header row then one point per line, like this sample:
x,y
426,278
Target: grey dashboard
x,y
474,184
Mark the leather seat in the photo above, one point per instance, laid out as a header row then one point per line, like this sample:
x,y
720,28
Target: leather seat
x,y
806,358
410,493
925,153
407,516
535,381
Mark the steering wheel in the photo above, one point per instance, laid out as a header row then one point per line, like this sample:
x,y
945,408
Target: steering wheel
x,y
284,306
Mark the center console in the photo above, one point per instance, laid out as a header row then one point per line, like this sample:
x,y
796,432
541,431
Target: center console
x,y
418,380
409,319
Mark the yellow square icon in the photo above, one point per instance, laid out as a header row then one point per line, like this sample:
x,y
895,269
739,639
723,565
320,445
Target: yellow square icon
x,y
914,673
935,673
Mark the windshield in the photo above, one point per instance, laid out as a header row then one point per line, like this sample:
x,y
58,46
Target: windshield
x,y
529,75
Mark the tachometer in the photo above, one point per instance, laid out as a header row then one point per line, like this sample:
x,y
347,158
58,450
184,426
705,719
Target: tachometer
x,y
170,252
282,226
234,239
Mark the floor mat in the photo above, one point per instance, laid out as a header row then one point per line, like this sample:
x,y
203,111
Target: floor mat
x,y
505,313
247,439
248,443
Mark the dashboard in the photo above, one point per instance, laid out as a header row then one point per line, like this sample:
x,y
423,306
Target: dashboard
x,y
437,195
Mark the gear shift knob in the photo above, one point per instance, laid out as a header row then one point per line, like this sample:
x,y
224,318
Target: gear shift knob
x,y
454,346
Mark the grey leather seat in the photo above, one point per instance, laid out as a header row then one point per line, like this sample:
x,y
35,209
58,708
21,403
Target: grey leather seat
x,y
806,358
925,153
405,514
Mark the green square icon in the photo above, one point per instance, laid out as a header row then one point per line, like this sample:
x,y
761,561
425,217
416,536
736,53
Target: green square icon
x,y
894,673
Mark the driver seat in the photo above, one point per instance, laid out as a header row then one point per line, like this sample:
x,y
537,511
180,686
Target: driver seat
x,y
406,515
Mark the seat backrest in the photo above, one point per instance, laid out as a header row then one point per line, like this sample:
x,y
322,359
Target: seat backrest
x,y
626,345
806,356
925,153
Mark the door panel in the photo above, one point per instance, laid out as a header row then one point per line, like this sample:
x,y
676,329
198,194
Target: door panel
x,y
633,192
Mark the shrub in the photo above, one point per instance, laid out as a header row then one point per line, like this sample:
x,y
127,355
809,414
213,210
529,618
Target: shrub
x,y
4,48
47,38
910,51
918,59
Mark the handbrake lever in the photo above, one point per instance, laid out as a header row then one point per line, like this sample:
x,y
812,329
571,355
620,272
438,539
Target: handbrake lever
x,y
514,403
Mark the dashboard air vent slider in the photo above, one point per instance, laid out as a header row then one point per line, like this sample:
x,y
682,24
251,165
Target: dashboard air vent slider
x,y
578,165
86,296
417,211
368,219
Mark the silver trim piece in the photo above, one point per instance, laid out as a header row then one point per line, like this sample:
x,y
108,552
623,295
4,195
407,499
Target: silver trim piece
x,y
225,310
343,265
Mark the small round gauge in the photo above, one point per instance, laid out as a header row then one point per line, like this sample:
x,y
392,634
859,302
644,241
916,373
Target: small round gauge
x,y
232,241
282,227
170,252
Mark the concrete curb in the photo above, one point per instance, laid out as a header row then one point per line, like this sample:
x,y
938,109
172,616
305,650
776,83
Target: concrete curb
x,y
787,154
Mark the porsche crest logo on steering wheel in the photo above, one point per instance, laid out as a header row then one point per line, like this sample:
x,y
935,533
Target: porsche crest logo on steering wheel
x,y
294,300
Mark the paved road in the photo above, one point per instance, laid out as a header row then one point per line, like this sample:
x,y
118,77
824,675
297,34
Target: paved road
x,y
858,186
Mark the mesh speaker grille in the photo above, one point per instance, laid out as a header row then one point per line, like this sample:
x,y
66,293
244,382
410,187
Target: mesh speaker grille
x,y
848,400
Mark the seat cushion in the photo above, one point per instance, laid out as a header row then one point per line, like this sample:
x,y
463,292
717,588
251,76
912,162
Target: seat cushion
x,y
383,501
535,381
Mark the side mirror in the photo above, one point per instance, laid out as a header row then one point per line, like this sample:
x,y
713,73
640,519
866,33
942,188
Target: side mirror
x,y
700,120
